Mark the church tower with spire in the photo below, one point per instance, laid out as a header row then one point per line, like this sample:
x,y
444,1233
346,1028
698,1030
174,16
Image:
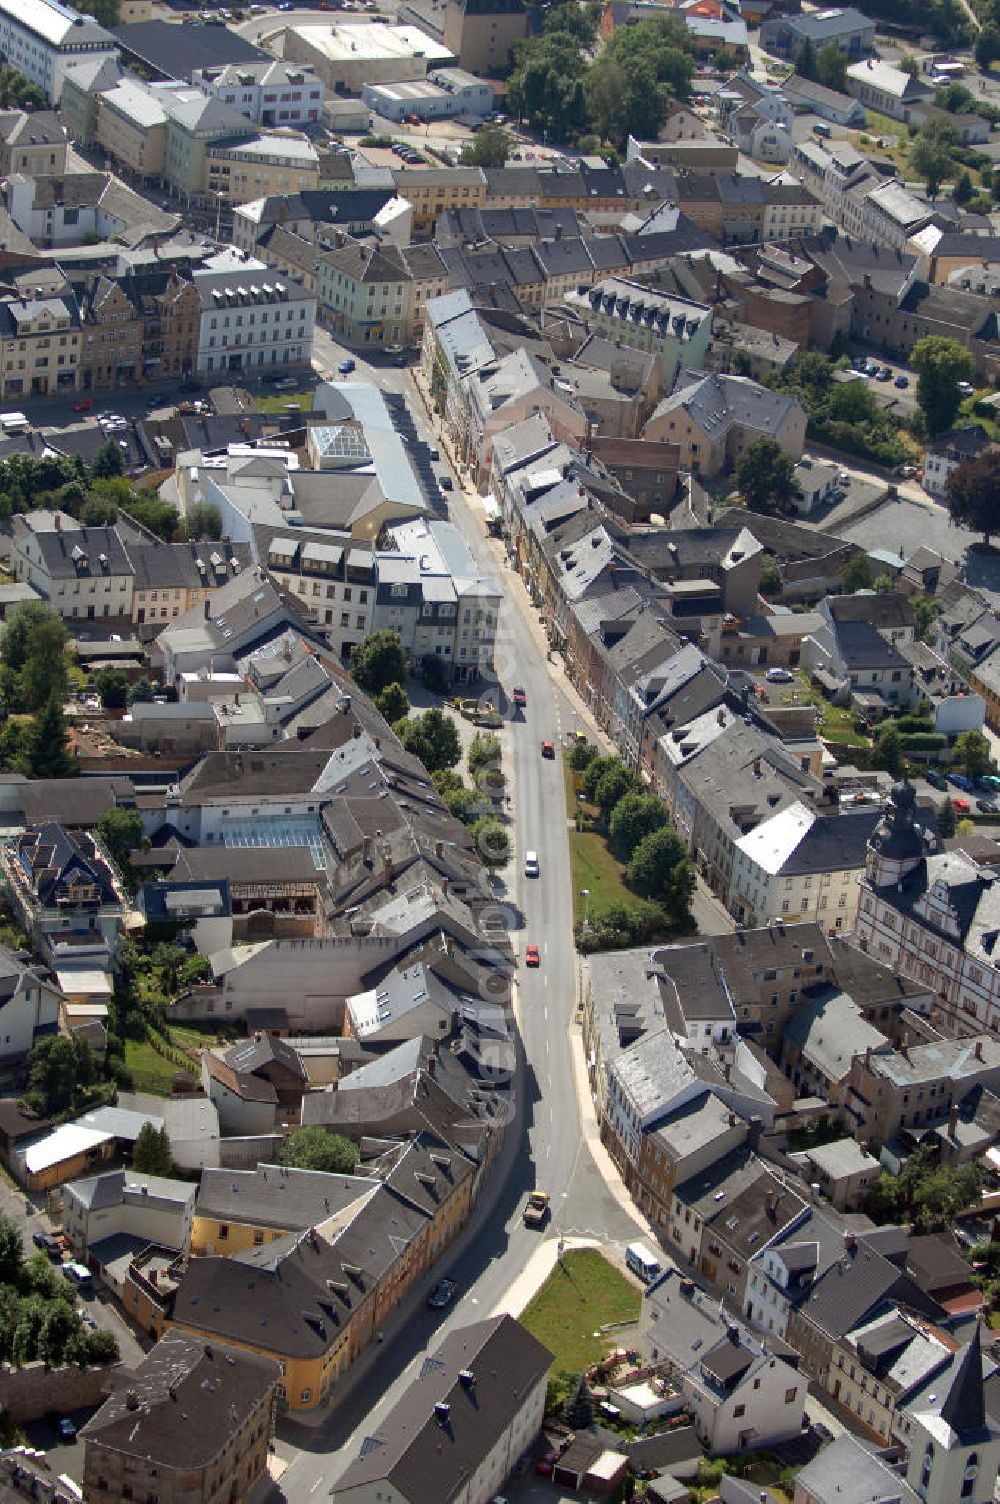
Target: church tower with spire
x,y
898,844
954,1445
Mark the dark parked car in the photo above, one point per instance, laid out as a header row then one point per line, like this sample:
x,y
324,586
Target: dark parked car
x,y
346,367
442,1294
936,780
446,483
988,807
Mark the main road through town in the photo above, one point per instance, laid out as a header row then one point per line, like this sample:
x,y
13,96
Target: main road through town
x,y
545,1146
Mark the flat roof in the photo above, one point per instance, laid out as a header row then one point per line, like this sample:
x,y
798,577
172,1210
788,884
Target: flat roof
x,y
62,1144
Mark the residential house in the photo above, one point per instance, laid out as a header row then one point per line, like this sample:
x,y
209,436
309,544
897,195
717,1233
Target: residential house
x,y
803,862
40,344
927,915
882,87
846,29
949,450
194,1420
481,33
880,1365
29,1010
844,1172
845,1460
676,329
32,142
42,40
85,573
714,418
484,1389
65,897
236,1210
273,94
248,324
828,104
364,294
741,1394
127,1203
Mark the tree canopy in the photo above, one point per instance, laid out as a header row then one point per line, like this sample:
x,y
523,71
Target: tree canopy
x,y
932,154
33,654
972,494
634,817
765,476
378,661
120,832
60,1068
433,737
489,147
152,1154
661,869
313,1148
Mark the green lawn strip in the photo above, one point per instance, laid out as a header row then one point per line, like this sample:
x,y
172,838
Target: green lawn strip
x,y
278,402
583,1293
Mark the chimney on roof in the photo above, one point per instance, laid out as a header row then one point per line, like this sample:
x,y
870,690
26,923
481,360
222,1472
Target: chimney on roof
x,y
432,1065
978,1051
953,1120
756,1128
850,1242
208,609
366,849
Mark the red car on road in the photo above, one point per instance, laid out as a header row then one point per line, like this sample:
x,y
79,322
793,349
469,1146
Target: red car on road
x,y
961,806
520,698
83,406
531,956
548,750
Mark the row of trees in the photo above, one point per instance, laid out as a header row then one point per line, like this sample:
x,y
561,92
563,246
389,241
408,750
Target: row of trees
x,y
565,94
658,869
95,496
841,414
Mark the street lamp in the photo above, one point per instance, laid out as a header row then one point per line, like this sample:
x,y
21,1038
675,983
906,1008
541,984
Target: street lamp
x,y
585,895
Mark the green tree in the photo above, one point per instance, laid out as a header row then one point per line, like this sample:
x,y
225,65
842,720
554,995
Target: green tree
x,y
203,521
582,756
18,93
435,673
104,12
313,1148
634,817
108,461
120,832
908,64
484,752
59,1326
889,747
459,800
925,614
545,86
33,650
48,744
963,189
378,661
100,1347
393,703
159,516
433,737
98,511
857,574
490,147
111,687
932,155
973,751
142,692
987,48
614,783
578,1411
765,477
660,869
594,772
605,88
972,494
883,584
946,819
831,67
578,20
739,362
152,1154
492,841
59,1066
805,63
770,576
11,1251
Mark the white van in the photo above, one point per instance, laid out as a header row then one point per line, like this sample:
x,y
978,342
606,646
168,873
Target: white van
x,y
531,868
642,1263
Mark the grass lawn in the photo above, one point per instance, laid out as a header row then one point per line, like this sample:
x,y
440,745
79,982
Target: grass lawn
x,y
594,868
278,401
152,1073
194,1037
582,1294
837,722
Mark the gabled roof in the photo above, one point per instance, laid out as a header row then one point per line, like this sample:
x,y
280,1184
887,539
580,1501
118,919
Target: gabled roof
x,y
452,1415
